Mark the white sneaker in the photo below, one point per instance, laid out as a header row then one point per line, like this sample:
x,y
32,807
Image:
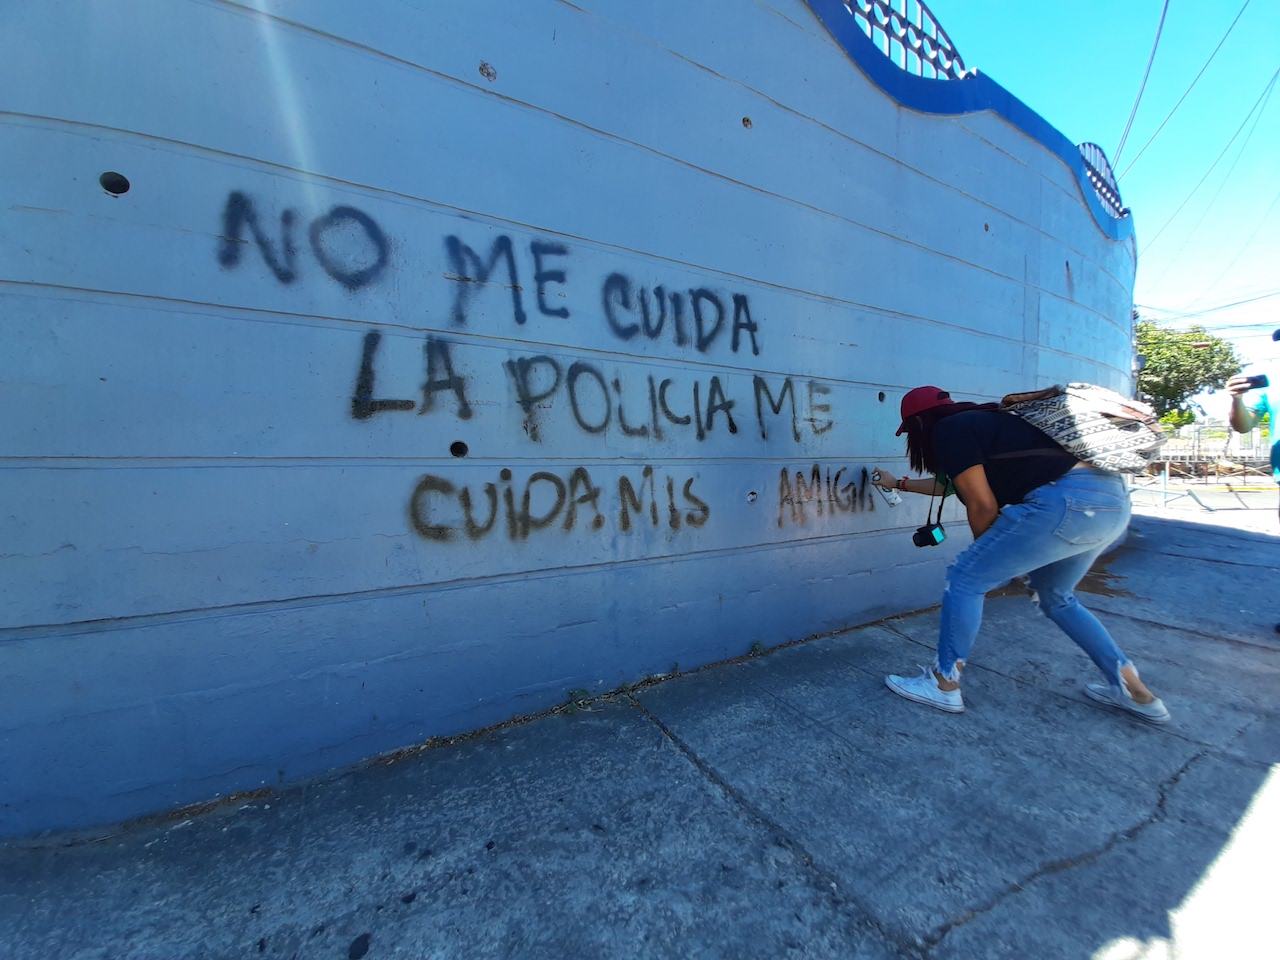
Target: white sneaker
x,y
1153,712
924,689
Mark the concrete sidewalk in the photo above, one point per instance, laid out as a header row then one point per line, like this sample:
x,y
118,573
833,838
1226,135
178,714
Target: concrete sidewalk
x,y
787,805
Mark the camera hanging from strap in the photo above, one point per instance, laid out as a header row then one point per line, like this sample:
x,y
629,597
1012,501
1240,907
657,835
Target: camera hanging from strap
x,y
932,533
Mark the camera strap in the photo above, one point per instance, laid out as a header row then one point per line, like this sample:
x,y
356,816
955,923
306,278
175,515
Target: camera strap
x,y
947,488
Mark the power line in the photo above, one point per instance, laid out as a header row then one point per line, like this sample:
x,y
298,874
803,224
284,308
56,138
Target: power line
x,y
1245,246
1264,328
1138,99
1188,90
1265,91
1172,315
1209,206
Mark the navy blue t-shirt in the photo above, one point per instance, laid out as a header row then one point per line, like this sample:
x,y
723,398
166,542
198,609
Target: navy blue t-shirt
x,y
971,438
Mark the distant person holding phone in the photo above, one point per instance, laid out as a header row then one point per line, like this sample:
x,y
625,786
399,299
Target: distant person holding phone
x,y
1262,401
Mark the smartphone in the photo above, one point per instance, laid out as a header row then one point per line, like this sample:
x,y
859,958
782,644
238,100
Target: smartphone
x,y
1258,382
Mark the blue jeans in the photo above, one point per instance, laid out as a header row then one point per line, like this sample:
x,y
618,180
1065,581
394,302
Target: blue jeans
x,y
1056,534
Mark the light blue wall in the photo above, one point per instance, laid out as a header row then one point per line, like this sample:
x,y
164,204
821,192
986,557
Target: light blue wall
x,y
235,545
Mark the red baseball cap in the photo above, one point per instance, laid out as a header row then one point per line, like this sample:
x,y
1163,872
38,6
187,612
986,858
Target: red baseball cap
x,y
919,400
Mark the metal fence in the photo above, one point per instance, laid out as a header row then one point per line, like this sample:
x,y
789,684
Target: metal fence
x,y
907,33
1213,451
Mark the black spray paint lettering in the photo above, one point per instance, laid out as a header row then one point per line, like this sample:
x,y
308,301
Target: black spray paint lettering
x,y
578,491
742,321
347,243
470,271
653,330
677,320
824,492
643,429
576,372
620,299
441,375
762,392
592,404
419,512
594,399
716,402
330,256
546,500
697,299
238,213
631,498
818,389
617,289
641,409
523,372
363,405
542,276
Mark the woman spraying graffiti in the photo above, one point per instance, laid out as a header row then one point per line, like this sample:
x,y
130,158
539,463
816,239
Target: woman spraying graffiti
x,y
1031,507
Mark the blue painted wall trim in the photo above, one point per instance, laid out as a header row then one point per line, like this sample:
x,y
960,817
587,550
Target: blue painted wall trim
x,y
953,97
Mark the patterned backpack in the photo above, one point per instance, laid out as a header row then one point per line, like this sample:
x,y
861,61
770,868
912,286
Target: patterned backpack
x,y
1094,424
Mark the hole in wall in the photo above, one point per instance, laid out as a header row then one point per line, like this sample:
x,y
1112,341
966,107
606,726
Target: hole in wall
x,y
882,396
458,448
488,72
746,122
751,497
986,227
114,183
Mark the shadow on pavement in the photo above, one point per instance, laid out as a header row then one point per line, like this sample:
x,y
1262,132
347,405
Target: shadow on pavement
x,y
785,805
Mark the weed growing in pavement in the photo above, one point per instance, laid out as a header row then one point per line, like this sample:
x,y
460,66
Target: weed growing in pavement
x,y
579,701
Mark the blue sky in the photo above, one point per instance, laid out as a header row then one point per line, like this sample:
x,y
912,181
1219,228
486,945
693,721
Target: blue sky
x,y
1079,65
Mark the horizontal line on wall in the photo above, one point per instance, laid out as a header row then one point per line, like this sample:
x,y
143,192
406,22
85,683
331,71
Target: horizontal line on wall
x,y
109,625
259,314
403,197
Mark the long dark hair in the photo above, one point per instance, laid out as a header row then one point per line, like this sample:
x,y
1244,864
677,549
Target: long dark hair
x,y
920,432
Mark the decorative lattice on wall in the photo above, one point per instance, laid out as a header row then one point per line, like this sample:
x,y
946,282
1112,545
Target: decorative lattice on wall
x,y
1099,172
907,33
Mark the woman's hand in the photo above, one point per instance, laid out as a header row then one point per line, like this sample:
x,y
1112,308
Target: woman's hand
x,y
887,480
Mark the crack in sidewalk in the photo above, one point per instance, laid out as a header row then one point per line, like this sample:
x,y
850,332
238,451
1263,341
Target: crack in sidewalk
x,y
1058,866
822,878
1233,641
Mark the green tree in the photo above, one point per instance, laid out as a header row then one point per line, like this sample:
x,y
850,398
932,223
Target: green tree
x,y
1181,364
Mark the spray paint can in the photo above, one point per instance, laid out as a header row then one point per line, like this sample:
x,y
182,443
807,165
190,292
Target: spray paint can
x,y
891,497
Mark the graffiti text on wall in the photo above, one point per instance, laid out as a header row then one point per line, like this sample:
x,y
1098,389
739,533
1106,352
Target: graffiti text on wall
x,y
352,249
443,511
697,317
347,243
822,493
645,405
